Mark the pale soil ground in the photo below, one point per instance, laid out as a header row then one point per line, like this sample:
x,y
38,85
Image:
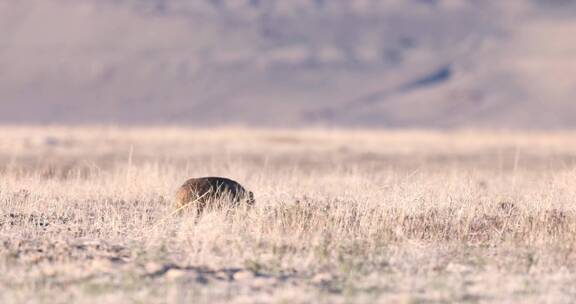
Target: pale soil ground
x,y
341,217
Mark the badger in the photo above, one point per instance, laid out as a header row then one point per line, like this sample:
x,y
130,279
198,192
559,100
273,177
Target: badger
x,y
212,192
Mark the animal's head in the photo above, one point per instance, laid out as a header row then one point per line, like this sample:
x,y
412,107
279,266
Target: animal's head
x,y
251,201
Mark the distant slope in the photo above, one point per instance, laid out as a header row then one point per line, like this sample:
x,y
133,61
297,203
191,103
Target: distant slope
x,y
415,63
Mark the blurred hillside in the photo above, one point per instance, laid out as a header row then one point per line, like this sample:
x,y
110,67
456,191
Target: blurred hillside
x,y
384,63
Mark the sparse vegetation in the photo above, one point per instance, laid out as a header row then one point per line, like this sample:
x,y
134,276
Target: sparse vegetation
x,y
342,216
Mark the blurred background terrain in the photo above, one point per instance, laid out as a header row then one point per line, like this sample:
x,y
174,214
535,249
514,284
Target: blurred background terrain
x,y
360,63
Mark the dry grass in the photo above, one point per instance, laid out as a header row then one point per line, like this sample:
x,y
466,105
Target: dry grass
x,y
341,216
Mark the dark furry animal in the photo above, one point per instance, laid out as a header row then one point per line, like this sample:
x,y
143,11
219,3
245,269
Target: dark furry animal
x,y
212,192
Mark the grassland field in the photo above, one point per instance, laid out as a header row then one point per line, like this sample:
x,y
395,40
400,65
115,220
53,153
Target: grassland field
x,y
341,216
